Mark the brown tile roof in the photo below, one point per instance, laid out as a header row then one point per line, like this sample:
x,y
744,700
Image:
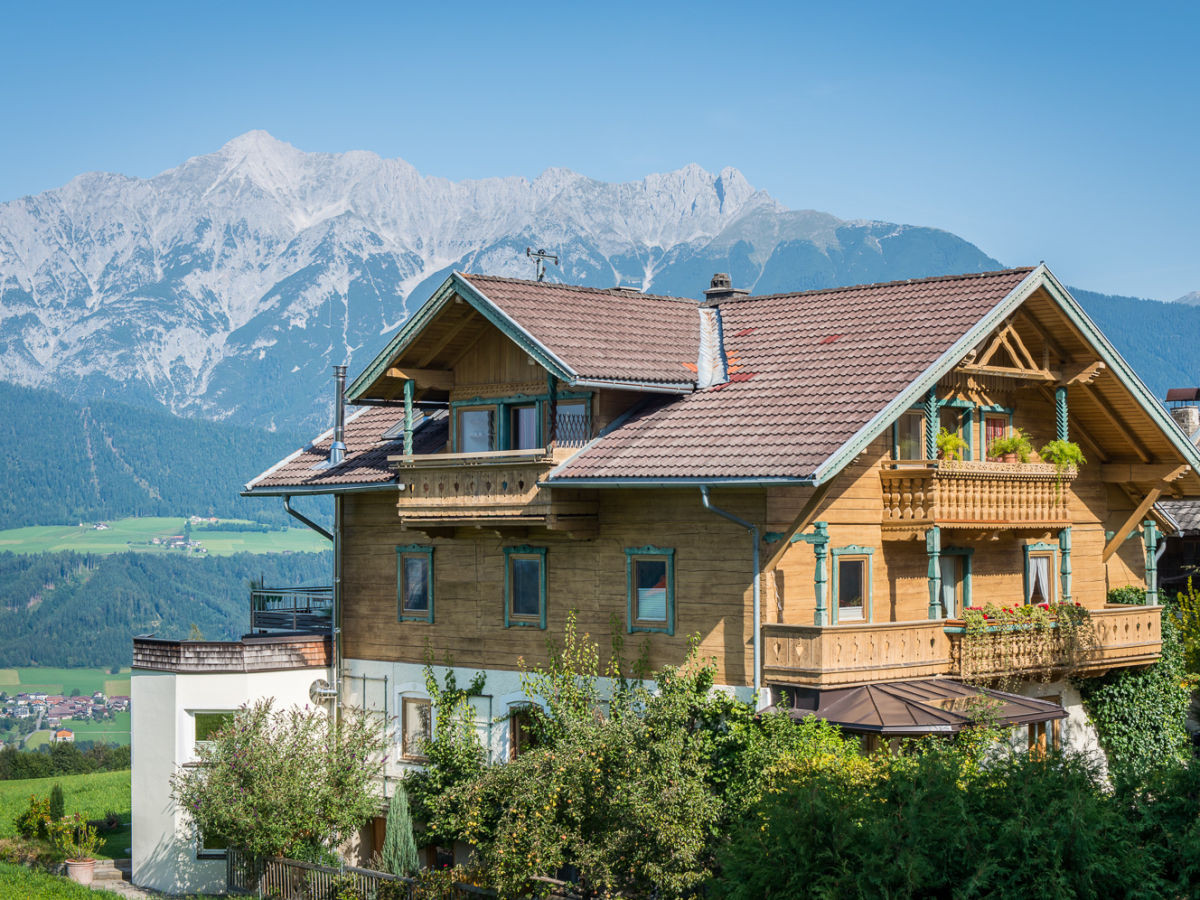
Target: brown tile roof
x,y
807,371
366,452
603,334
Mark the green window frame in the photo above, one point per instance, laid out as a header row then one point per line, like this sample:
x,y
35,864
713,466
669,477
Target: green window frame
x,y
512,557
634,557
967,425
853,553
416,552
984,412
502,409
1041,550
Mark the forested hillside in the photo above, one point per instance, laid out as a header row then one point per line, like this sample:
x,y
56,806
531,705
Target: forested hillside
x,y
66,462
70,609
1160,340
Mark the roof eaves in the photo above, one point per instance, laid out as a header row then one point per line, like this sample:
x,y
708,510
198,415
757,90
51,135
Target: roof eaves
x,y
283,490
1114,361
513,329
657,481
309,446
943,364
408,330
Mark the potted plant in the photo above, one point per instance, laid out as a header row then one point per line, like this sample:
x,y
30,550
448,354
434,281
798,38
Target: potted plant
x,y
950,444
1014,448
1064,455
77,840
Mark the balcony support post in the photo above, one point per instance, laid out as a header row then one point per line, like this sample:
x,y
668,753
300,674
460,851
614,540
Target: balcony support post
x,y
551,411
933,547
931,424
1060,413
820,544
408,416
1064,547
1150,537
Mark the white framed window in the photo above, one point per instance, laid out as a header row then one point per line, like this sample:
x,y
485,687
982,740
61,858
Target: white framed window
x,y
1040,573
206,725
416,727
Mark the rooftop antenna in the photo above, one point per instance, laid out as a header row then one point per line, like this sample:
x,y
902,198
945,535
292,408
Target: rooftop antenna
x,y
540,256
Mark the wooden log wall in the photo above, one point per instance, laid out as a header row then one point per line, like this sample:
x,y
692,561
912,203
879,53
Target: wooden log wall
x,y
712,583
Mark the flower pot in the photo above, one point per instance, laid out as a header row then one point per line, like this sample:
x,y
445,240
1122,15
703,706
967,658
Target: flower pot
x,y
1008,457
81,870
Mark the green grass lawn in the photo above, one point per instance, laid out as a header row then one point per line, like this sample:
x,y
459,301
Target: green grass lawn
x,y
63,681
18,881
110,731
91,795
139,533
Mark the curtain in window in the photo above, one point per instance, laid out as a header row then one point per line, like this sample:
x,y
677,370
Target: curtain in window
x,y
949,566
1039,580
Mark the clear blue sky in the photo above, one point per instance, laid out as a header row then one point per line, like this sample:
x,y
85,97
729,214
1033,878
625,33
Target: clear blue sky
x,y
1064,132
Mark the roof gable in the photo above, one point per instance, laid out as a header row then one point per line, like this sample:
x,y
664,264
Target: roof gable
x,y
578,334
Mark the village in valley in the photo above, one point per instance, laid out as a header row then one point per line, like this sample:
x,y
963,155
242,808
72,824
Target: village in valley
x,y
29,713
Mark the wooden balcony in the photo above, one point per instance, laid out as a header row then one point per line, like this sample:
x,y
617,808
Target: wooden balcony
x,y
1118,636
497,489
839,655
845,655
974,494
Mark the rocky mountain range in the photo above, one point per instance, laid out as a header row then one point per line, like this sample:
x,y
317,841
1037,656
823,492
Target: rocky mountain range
x,y
226,287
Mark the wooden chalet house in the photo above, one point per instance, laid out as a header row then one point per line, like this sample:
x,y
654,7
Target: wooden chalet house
x,y
759,471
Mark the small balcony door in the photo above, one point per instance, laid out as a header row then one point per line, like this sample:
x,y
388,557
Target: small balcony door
x,y
952,585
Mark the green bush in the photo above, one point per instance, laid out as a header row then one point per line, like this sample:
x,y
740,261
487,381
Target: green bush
x,y
31,822
933,825
58,807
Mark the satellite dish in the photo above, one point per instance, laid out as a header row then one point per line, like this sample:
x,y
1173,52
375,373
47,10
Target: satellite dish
x,y
320,691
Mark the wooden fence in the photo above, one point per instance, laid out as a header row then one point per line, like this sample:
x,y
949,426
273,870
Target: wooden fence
x,y
291,879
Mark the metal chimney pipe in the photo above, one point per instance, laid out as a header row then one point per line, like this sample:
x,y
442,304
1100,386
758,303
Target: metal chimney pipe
x,y
337,450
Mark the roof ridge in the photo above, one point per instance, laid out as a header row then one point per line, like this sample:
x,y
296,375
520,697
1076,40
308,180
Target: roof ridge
x,y
880,284
625,292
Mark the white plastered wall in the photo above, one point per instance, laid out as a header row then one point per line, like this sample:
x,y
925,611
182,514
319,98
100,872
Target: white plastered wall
x,y
163,737
386,684
1076,732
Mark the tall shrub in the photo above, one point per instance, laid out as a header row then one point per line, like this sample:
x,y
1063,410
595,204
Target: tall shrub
x,y
399,848
57,803
284,781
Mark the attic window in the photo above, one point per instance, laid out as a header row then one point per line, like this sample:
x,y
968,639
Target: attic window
x,y
829,340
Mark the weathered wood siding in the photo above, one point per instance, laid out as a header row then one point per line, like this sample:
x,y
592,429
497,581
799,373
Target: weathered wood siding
x,y
712,583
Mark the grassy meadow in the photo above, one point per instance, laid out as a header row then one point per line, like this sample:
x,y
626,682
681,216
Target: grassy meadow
x,y
93,796
18,881
139,534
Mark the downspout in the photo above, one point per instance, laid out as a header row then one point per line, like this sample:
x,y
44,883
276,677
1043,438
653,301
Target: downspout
x,y
757,592
303,519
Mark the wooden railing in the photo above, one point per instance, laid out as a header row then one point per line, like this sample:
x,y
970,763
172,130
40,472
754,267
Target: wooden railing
x,y
841,655
1115,636
488,488
953,492
829,656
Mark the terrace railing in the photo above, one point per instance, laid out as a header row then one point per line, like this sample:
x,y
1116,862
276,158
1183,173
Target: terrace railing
x,y
291,609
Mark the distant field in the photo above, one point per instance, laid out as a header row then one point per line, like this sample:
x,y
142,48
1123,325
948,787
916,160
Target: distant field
x,y
92,795
139,534
63,681
110,731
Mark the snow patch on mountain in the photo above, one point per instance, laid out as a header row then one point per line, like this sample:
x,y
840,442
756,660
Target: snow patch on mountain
x,y
226,287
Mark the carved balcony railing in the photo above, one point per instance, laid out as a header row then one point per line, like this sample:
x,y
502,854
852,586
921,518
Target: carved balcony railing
x,y
844,655
967,494
836,655
498,488
1113,637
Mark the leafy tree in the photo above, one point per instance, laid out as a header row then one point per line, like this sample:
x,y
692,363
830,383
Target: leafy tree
x,y
399,848
284,781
